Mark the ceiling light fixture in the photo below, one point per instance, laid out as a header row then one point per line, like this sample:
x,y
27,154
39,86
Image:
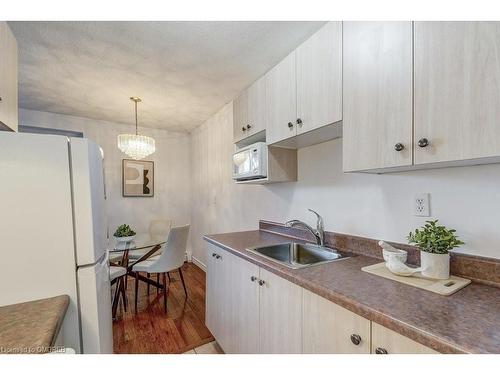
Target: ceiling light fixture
x,y
134,145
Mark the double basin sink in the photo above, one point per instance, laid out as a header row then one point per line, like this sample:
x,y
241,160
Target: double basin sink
x,y
297,255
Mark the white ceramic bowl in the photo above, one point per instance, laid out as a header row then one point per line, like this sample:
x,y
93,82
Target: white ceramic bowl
x,y
124,239
397,254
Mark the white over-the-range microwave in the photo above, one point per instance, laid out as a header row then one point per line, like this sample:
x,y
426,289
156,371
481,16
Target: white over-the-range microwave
x,y
250,162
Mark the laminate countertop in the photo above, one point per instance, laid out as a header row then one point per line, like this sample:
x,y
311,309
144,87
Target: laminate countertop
x,y
31,327
465,322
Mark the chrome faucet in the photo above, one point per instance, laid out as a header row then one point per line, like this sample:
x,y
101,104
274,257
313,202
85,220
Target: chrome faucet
x,y
318,233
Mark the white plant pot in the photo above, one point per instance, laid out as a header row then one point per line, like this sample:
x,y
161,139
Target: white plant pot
x,y
124,239
435,266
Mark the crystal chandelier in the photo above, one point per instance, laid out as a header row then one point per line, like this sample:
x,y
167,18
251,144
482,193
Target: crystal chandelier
x,y
134,145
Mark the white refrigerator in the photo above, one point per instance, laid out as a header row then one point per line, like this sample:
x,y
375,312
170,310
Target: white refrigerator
x,y
53,232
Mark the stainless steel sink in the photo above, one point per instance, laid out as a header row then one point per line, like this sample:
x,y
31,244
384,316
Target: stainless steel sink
x,y
297,255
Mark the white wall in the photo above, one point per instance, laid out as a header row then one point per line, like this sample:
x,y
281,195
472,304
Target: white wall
x,y
377,206
172,169
193,184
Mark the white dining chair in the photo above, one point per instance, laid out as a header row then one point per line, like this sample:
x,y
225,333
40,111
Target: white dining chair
x,y
172,258
160,227
157,229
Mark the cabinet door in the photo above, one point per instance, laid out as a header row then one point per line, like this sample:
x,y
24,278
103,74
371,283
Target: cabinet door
x,y
378,102
218,305
210,294
327,328
394,343
8,79
319,78
240,116
457,90
257,106
280,315
281,101
244,299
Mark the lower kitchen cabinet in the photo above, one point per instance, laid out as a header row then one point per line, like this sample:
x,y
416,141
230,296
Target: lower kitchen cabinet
x,y
232,301
280,315
244,298
218,290
385,341
252,310
331,329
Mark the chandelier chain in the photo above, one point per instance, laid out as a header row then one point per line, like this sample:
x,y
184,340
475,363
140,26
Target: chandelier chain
x,y
135,101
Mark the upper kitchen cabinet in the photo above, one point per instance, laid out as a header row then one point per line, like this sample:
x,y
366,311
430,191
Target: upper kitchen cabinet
x,y
8,79
249,111
240,116
457,92
281,101
319,79
378,102
304,91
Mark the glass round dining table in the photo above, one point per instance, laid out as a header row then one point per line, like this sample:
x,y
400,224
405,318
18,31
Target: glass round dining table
x,y
141,247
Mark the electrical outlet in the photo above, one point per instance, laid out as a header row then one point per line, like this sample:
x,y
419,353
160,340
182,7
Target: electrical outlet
x,y
421,205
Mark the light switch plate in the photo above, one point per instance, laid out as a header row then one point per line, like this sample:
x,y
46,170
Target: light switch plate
x,y
421,205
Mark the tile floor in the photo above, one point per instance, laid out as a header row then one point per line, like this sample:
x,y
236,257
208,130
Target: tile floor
x,y
210,348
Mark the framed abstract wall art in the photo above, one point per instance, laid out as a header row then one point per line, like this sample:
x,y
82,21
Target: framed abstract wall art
x,y
137,178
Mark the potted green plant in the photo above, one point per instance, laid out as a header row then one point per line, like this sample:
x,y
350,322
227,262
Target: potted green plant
x,y
435,242
124,233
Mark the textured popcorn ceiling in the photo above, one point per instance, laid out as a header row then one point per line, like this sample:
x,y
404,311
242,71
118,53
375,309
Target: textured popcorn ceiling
x,y
183,71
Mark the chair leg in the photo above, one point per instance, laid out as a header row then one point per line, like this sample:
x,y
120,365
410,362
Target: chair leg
x,y
136,289
157,281
183,283
164,292
124,297
168,274
149,275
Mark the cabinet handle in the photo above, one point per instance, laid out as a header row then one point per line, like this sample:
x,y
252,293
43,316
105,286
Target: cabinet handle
x,y
243,129
399,147
299,122
290,125
261,282
355,339
380,351
253,278
423,142
249,126
0,99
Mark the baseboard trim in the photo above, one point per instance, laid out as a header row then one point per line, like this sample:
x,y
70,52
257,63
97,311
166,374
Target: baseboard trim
x,y
199,263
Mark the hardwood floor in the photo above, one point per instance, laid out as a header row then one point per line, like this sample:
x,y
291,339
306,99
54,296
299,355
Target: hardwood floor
x,y
152,330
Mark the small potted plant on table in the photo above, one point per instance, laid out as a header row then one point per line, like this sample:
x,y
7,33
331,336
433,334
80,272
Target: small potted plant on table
x,y
124,233
434,242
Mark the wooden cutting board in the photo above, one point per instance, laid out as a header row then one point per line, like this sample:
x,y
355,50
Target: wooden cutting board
x,y
443,287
